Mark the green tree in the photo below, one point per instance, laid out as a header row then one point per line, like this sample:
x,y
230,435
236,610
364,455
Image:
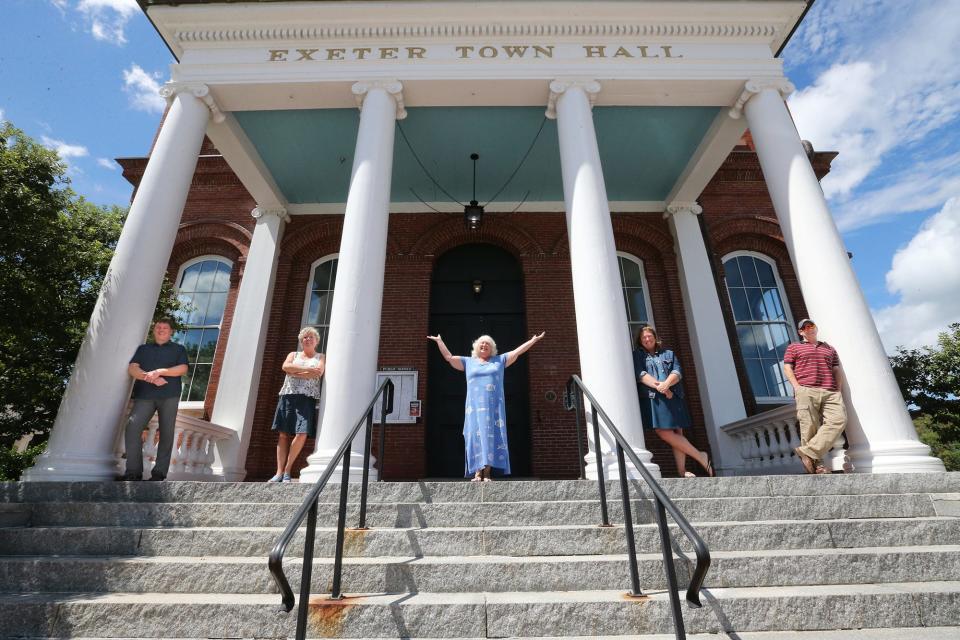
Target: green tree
x,y
929,380
54,251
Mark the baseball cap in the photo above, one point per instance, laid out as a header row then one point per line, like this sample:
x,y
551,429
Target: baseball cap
x,y
804,322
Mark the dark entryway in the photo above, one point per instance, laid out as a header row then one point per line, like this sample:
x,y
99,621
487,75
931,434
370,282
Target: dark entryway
x,y
460,315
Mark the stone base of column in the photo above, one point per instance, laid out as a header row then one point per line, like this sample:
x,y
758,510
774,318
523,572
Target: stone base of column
x,y
71,468
903,456
611,470
320,459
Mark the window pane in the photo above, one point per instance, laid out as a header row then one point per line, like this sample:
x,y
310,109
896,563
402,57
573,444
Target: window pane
x,y
323,339
732,269
758,383
207,274
215,309
208,344
631,273
774,378
321,278
191,342
333,273
221,281
771,301
748,344
765,272
188,282
755,300
201,377
199,309
749,271
741,308
636,305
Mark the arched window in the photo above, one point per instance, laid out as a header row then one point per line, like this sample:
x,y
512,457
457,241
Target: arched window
x,y
763,322
316,309
202,286
635,293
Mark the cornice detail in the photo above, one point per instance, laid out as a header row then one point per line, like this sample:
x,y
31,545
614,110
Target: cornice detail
x,y
558,87
197,90
675,208
259,213
460,30
755,86
394,89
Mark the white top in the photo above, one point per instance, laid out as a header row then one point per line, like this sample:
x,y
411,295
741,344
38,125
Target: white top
x,y
306,386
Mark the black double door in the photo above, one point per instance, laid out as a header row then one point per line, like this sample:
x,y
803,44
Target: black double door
x,y
460,315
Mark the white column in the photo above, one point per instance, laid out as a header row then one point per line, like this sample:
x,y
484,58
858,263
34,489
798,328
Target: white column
x,y
81,444
881,435
353,342
717,380
604,339
240,373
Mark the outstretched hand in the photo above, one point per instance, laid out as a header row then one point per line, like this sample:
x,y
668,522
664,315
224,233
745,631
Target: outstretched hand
x,y
538,337
435,338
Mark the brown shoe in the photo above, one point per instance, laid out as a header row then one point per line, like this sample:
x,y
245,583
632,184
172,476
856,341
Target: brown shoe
x,y
805,460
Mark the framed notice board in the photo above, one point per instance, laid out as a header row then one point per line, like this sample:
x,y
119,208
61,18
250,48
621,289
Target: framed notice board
x,y
406,406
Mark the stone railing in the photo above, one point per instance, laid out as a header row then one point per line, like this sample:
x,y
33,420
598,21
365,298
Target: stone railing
x,y
193,446
767,441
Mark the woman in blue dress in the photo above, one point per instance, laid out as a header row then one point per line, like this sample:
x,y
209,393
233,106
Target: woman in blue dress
x,y
662,406
485,411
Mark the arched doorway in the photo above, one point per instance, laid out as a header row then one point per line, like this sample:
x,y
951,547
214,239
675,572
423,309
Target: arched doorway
x,y
460,314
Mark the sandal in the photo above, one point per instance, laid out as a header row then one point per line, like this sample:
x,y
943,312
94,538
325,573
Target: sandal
x,y
488,479
821,470
709,466
688,474
805,460
476,479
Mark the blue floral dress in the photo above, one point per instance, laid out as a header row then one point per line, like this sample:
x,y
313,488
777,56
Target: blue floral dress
x,y
485,415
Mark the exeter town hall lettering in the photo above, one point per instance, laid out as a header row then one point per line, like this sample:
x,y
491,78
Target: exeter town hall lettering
x,y
475,52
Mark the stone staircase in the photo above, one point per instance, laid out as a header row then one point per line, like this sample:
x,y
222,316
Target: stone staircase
x,y
503,559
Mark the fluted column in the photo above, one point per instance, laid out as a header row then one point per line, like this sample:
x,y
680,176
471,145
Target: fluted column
x,y
81,444
604,341
881,435
354,338
240,373
719,386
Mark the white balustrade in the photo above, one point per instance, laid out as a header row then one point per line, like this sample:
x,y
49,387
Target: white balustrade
x,y
767,441
194,442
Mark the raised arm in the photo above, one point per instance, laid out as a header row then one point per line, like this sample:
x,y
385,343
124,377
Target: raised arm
x,y
453,360
522,349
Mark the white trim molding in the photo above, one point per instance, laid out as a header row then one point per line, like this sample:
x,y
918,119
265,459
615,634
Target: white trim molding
x,y
590,87
197,90
755,86
393,88
279,212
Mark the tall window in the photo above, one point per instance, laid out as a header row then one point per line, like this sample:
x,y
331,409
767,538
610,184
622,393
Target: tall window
x,y
635,294
320,298
202,287
763,322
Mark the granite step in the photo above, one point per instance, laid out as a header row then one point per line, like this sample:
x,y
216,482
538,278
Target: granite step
x,y
499,491
586,539
463,573
479,514
906,633
481,614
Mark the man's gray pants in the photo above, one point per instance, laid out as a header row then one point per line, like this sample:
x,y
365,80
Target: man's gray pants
x,y
143,410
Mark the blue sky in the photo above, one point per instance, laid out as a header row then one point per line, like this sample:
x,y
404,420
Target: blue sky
x,y
877,80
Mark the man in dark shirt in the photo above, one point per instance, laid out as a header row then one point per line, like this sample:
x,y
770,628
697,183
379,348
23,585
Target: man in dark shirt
x,y
813,368
157,369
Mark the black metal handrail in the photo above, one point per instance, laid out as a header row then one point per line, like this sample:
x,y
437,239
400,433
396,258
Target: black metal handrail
x,y
575,392
308,510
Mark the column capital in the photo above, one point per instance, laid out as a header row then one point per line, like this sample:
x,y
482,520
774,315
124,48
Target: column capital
x,y
265,213
197,90
590,87
755,86
682,207
394,89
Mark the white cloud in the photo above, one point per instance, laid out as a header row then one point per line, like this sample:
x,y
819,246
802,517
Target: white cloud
x,y
1,115
106,163
889,88
143,89
926,275
107,19
64,150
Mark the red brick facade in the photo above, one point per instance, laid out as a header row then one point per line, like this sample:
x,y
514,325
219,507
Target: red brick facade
x,y
737,214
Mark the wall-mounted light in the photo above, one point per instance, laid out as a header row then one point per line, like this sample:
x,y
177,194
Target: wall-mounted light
x,y
477,287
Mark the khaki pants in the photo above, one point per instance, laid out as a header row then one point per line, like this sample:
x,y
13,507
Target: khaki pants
x,y
822,417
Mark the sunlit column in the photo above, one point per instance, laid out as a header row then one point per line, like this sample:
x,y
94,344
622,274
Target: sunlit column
x,y
881,435
604,341
354,338
719,385
81,444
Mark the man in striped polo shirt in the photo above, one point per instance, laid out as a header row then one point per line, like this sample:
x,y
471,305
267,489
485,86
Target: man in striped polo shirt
x,y
813,368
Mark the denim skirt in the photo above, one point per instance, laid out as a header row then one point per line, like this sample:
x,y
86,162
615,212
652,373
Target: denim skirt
x,y
296,413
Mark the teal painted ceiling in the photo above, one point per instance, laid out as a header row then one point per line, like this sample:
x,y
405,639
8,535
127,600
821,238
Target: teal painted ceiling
x,y
310,152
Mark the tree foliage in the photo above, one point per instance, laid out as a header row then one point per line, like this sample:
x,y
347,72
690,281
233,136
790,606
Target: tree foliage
x,y
929,380
55,248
